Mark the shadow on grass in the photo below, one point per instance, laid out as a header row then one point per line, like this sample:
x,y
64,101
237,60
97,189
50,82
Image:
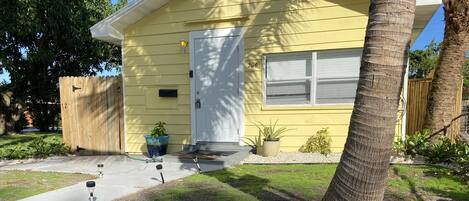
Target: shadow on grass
x,y
208,187
255,186
449,192
412,185
200,191
436,182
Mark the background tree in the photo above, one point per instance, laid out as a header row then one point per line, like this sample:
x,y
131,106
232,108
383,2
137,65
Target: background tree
x,y
362,171
43,40
449,72
423,61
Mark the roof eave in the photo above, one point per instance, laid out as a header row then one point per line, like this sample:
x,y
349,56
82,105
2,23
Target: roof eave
x,y
423,14
111,28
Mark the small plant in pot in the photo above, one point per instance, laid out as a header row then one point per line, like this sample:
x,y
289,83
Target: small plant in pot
x,y
157,140
272,135
256,144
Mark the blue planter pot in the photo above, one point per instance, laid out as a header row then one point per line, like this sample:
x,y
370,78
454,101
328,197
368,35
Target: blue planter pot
x,y
157,146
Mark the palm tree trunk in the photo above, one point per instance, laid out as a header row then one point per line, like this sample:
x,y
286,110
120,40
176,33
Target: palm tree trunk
x,y
448,73
362,171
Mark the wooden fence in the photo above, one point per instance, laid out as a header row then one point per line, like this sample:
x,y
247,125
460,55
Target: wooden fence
x,y
417,95
92,114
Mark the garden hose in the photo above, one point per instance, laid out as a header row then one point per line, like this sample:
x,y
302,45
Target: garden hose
x,y
146,160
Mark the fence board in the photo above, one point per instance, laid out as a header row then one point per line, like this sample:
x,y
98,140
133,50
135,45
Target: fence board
x,y
92,113
417,98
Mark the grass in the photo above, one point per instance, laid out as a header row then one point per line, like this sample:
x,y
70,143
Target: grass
x,y
302,182
16,185
18,139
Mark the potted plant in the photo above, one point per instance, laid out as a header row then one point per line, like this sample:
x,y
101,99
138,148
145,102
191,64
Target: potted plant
x,y
272,135
157,140
256,144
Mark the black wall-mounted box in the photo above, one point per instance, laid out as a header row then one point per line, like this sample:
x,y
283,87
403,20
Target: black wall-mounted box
x,y
168,93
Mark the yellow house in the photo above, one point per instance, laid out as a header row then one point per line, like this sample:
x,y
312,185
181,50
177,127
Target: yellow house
x,y
212,69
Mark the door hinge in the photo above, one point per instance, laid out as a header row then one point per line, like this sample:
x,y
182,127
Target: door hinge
x,y
74,88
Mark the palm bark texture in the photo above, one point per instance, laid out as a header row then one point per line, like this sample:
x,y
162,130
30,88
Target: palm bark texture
x,y
362,171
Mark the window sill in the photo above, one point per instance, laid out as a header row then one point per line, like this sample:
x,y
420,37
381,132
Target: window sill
x,y
307,107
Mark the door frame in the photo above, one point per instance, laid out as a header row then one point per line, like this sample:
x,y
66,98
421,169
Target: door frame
x,y
210,33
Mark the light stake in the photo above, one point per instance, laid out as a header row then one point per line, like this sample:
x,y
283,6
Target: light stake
x,y
196,161
91,185
159,168
100,170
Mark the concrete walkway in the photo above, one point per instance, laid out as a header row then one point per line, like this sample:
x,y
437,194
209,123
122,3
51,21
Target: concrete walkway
x,y
122,176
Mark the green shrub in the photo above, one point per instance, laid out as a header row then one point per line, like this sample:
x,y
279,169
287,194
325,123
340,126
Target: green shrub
x,y
40,147
56,146
441,151
462,156
22,151
319,143
413,145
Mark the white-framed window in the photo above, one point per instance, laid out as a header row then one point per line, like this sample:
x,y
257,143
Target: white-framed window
x,y
288,78
312,78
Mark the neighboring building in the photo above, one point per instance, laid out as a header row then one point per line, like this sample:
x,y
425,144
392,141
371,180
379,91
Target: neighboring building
x,y
249,61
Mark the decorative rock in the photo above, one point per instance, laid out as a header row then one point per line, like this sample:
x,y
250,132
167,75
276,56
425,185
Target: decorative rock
x,y
299,158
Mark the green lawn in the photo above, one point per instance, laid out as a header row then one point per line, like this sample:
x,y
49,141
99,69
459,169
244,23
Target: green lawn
x,y
302,182
18,139
16,185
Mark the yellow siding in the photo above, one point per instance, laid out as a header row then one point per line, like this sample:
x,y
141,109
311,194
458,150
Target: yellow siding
x,y
153,60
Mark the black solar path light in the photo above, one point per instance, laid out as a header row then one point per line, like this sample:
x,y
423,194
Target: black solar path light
x,y
90,185
159,168
100,170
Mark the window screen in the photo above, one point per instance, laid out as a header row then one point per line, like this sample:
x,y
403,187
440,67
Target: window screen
x,y
288,79
337,76
328,77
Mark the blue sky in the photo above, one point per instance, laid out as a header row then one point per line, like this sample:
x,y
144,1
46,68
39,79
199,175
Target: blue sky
x,y
433,31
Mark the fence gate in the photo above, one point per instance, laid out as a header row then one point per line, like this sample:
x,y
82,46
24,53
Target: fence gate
x,y
417,95
92,113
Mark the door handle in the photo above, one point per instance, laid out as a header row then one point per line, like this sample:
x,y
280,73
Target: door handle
x,y
198,104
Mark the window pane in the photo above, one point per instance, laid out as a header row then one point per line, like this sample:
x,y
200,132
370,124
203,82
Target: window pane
x,y
288,66
292,92
336,91
338,64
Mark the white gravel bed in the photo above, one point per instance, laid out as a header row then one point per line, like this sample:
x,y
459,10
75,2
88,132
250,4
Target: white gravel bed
x,y
293,157
297,157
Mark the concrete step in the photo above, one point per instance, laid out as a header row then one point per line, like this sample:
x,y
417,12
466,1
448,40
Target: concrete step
x,y
220,146
225,158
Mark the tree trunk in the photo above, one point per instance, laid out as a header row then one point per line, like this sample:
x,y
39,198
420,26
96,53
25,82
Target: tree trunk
x,y
448,74
362,171
10,112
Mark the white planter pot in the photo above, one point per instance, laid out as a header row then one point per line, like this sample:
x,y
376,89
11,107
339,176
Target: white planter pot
x,y
270,148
